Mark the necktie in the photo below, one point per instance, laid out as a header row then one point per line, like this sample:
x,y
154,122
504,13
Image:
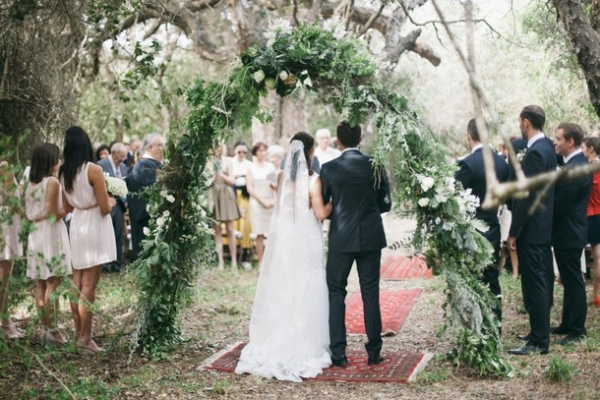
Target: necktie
x,y
118,171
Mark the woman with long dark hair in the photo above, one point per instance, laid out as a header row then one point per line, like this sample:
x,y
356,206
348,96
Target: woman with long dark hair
x,y
91,231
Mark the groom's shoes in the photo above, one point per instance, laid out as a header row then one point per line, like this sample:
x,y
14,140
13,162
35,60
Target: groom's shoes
x,y
376,360
339,361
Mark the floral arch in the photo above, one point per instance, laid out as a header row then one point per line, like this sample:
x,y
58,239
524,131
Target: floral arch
x,y
343,75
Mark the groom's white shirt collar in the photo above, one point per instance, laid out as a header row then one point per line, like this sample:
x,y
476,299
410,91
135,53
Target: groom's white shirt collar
x,y
350,148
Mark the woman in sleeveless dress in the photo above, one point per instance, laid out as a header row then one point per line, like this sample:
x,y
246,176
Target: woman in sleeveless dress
x,y
289,333
10,247
260,181
91,231
49,252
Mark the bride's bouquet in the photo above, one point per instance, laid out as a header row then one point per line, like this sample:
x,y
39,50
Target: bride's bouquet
x,y
116,187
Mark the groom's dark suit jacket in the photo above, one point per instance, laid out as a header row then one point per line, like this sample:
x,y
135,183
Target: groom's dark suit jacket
x,y
349,181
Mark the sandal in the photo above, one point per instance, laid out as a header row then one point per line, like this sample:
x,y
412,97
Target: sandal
x,y
90,347
54,337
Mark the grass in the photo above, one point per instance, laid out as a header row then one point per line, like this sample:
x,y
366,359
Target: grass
x,y
559,370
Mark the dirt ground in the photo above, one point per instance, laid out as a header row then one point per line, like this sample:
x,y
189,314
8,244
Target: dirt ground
x,y
220,317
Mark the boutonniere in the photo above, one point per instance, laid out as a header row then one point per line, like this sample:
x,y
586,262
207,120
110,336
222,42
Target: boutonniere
x,y
521,155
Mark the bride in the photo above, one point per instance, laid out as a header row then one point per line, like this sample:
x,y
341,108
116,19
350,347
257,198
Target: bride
x,y
289,334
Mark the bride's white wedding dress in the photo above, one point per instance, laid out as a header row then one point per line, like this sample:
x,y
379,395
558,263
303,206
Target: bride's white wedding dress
x,y
289,333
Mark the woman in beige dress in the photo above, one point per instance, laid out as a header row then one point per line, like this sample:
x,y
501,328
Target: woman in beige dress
x,y
260,181
10,247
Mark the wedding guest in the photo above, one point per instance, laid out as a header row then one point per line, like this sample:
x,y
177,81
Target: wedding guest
x,y
570,233
324,151
275,155
261,184
102,152
225,208
591,149
10,223
134,146
141,176
531,233
239,170
114,165
471,174
49,257
91,234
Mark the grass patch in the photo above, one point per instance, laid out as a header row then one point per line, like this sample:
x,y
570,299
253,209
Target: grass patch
x,y
559,370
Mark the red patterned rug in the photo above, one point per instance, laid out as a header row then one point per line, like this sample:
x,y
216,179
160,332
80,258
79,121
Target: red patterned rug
x,y
396,367
396,268
395,306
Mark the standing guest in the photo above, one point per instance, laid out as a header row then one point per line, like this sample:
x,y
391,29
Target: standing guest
x,y
10,222
49,240
225,208
102,152
591,149
239,170
471,174
324,151
91,232
260,181
141,176
531,233
570,233
114,165
275,155
134,146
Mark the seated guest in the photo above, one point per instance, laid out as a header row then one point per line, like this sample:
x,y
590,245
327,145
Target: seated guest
x,y
141,176
115,166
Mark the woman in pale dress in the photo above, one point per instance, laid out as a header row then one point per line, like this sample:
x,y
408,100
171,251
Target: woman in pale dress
x,y
239,169
289,332
49,252
10,247
91,231
260,181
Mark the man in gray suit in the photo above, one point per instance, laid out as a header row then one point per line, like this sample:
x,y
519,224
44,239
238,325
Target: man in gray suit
x,y
115,166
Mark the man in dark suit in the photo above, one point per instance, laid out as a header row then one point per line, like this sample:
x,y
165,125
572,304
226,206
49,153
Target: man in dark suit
x,y
531,233
142,175
569,232
115,166
471,174
356,234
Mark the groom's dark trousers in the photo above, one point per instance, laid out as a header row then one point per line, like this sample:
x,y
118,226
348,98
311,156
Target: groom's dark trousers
x,y
356,234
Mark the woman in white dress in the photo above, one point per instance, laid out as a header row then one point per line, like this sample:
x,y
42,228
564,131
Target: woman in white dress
x,y
91,231
10,247
260,181
289,334
49,252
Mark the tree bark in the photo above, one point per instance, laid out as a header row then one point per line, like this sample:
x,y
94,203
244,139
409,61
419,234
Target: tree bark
x,y
586,44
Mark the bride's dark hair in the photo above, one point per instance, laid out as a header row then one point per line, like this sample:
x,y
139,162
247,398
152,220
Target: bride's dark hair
x,y
309,142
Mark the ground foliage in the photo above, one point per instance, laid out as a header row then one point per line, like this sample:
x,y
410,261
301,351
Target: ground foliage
x,y
343,75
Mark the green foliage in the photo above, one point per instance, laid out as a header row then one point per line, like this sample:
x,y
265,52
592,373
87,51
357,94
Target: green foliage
x,y
559,370
479,352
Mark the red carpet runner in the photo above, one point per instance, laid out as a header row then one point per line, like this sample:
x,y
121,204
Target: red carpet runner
x,y
397,367
395,306
399,267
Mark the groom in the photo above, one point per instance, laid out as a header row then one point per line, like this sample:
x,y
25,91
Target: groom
x,y
360,193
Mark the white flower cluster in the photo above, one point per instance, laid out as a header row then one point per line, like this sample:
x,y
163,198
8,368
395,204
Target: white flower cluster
x,y
277,26
169,197
115,187
335,26
467,202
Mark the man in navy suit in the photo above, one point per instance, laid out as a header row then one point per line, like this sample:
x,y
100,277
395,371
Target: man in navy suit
x,y
569,232
531,233
359,193
115,166
471,174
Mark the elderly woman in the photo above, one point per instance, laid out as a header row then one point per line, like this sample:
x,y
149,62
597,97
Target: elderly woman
x,y
591,149
260,181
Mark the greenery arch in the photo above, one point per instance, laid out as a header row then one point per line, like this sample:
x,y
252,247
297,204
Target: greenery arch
x,y
343,75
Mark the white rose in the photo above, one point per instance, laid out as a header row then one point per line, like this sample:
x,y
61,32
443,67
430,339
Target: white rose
x,y
166,213
259,76
283,75
160,221
164,193
427,183
147,231
270,83
170,198
423,202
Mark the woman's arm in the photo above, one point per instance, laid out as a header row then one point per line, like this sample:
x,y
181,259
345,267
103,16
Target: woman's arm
x,y
96,179
321,210
52,199
252,192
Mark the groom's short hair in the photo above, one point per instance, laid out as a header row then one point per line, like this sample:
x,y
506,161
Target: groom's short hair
x,y
348,134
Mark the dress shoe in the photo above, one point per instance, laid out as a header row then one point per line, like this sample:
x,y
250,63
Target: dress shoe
x,y
339,361
375,360
527,350
524,338
569,339
559,330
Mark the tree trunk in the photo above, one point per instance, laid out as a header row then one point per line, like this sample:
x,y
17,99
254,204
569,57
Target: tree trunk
x,y
289,118
586,44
